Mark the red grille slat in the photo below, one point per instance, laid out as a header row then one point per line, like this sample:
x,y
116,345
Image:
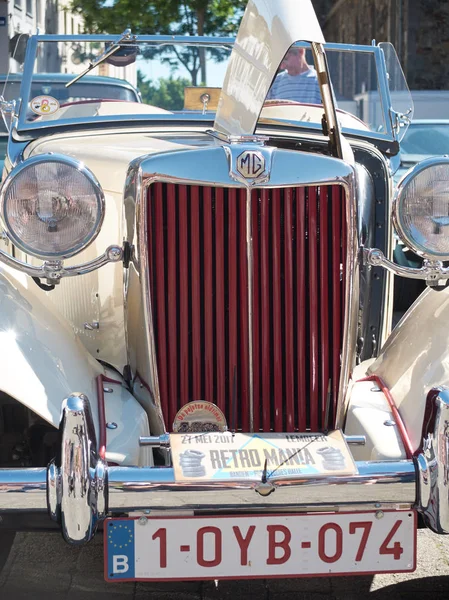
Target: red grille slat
x,y
336,299
301,232
196,249
288,312
313,308
220,298
172,293
243,358
232,299
160,294
278,350
208,295
256,307
184,345
324,300
265,312
200,280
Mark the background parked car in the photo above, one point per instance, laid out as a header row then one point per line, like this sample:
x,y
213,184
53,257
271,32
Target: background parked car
x,y
54,84
424,138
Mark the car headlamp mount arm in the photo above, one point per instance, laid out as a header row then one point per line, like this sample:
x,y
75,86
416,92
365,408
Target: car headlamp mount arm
x,y
432,271
54,270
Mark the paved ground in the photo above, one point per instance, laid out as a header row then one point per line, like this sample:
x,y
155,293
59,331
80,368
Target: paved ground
x,y
41,566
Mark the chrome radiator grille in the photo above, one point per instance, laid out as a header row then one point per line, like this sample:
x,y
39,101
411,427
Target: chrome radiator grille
x,y
248,320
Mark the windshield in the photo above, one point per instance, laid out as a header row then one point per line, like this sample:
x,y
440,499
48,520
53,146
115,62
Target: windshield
x,y
54,84
185,78
429,139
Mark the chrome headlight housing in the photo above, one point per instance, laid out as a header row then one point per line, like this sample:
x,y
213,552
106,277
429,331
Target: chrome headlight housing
x,y
421,209
52,206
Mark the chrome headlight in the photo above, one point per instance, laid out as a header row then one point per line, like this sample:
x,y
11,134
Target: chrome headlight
x,y
52,206
421,209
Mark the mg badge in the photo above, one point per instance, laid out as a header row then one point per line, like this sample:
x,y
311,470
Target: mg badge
x,y
250,164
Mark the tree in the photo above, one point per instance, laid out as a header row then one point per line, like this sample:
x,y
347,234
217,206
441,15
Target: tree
x,y
172,17
166,93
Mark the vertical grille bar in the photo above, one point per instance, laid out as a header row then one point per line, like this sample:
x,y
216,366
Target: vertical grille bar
x,y
172,326
243,389
220,297
313,308
325,288
336,284
199,244
159,293
258,421
288,312
276,283
233,269
209,352
195,277
301,232
265,311
184,344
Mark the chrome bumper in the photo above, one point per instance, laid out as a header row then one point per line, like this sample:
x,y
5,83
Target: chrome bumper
x,y
81,490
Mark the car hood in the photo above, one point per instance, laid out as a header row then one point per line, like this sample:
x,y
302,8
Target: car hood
x,y
109,155
267,30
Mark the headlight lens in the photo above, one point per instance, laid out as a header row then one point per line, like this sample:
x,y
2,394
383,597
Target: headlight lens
x,y
52,206
421,209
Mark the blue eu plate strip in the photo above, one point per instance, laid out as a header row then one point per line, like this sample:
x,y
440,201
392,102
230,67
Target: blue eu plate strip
x,y
120,548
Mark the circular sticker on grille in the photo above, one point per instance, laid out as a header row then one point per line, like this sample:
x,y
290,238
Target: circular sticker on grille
x,y
44,105
199,416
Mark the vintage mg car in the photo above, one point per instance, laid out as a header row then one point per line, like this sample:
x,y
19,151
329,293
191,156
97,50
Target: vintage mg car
x,y
196,345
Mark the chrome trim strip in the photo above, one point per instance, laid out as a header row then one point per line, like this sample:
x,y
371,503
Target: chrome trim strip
x,y
54,270
433,469
348,353
378,484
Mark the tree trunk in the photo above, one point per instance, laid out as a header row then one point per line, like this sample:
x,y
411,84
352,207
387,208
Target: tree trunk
x,y
201,14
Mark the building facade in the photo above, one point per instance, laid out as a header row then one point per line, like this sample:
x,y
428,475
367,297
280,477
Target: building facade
x,y
19,17
419,30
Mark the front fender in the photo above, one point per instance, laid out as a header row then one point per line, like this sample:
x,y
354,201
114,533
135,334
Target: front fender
x,y
42,361
415,358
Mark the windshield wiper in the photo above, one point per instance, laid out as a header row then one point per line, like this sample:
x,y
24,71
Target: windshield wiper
x,y
125,37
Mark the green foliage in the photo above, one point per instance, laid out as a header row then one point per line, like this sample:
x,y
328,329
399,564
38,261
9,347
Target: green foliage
x,y
165,93
172,17
191,17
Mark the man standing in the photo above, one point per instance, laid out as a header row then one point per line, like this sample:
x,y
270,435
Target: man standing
x,y
298,81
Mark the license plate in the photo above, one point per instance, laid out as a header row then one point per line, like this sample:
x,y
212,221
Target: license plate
x,y
252,546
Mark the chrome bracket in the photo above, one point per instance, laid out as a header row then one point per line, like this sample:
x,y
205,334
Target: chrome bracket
x,y
54,270
433,469
259,140
432,271
77,487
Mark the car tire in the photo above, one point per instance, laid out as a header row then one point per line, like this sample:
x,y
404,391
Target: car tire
x,y
6,542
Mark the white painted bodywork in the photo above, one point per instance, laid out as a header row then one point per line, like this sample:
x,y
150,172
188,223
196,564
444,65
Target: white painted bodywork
x,y
42,361
98,296
415,358
369,414
255,59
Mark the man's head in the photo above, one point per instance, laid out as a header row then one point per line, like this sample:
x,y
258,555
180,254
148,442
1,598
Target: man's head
x,y
294,62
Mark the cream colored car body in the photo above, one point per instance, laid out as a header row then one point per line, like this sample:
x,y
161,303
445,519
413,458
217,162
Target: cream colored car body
x,y
97,297
43,361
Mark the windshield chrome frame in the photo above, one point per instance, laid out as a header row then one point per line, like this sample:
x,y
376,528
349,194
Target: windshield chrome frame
x,y
33,128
